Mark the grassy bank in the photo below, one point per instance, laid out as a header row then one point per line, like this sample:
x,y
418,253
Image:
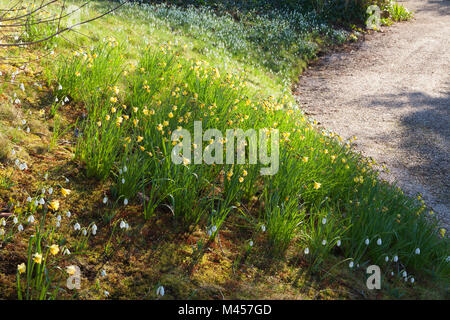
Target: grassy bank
x,y
138,76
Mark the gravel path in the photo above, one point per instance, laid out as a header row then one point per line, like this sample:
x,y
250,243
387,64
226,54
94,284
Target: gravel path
x,y
392,91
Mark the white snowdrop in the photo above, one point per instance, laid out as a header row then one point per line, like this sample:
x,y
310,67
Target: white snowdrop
x,y
324,220
58,224
307,251
41,201
395,258
58,218
122,225
404,274
412,280
2,232
68,214
22,87
338,243
417,251
50,190
66,252
94,229
105,200
263,228
125,169
123,180
30,219
251,243
386,259
106,293
20,228
324,242
3,222
29,199
60,87
103,273
15,221
351,264
77,226
160,291
125,202
367,241
379,242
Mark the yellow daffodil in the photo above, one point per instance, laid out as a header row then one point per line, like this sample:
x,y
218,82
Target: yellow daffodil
x,y
65,192
21,268
54,249
54,205
37,258
317,185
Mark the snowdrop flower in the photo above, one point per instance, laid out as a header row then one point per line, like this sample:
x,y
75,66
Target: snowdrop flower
x,y
60,87
395,258
67,180
324,242
123,180
77,226
367,242
58,218
94,229
2,232
3,222
66,99
122,225
404,274
24,122
13,152
103,273
84,232
120,171
125,202
263,228
22,87
28,130
68,214
386,259
379,242
324,220
41,201
251,243
417,251
23,166
214,228
338,243
66,252
20,228
15,220
392,273
447,259
125,169
30,219
105,200
106,293
58,224
307,251
29,199
56,99
43,191
17,162
351,264
50,190
160,291
412,280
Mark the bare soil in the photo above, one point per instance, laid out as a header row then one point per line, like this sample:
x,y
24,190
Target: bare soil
x,y
392,91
